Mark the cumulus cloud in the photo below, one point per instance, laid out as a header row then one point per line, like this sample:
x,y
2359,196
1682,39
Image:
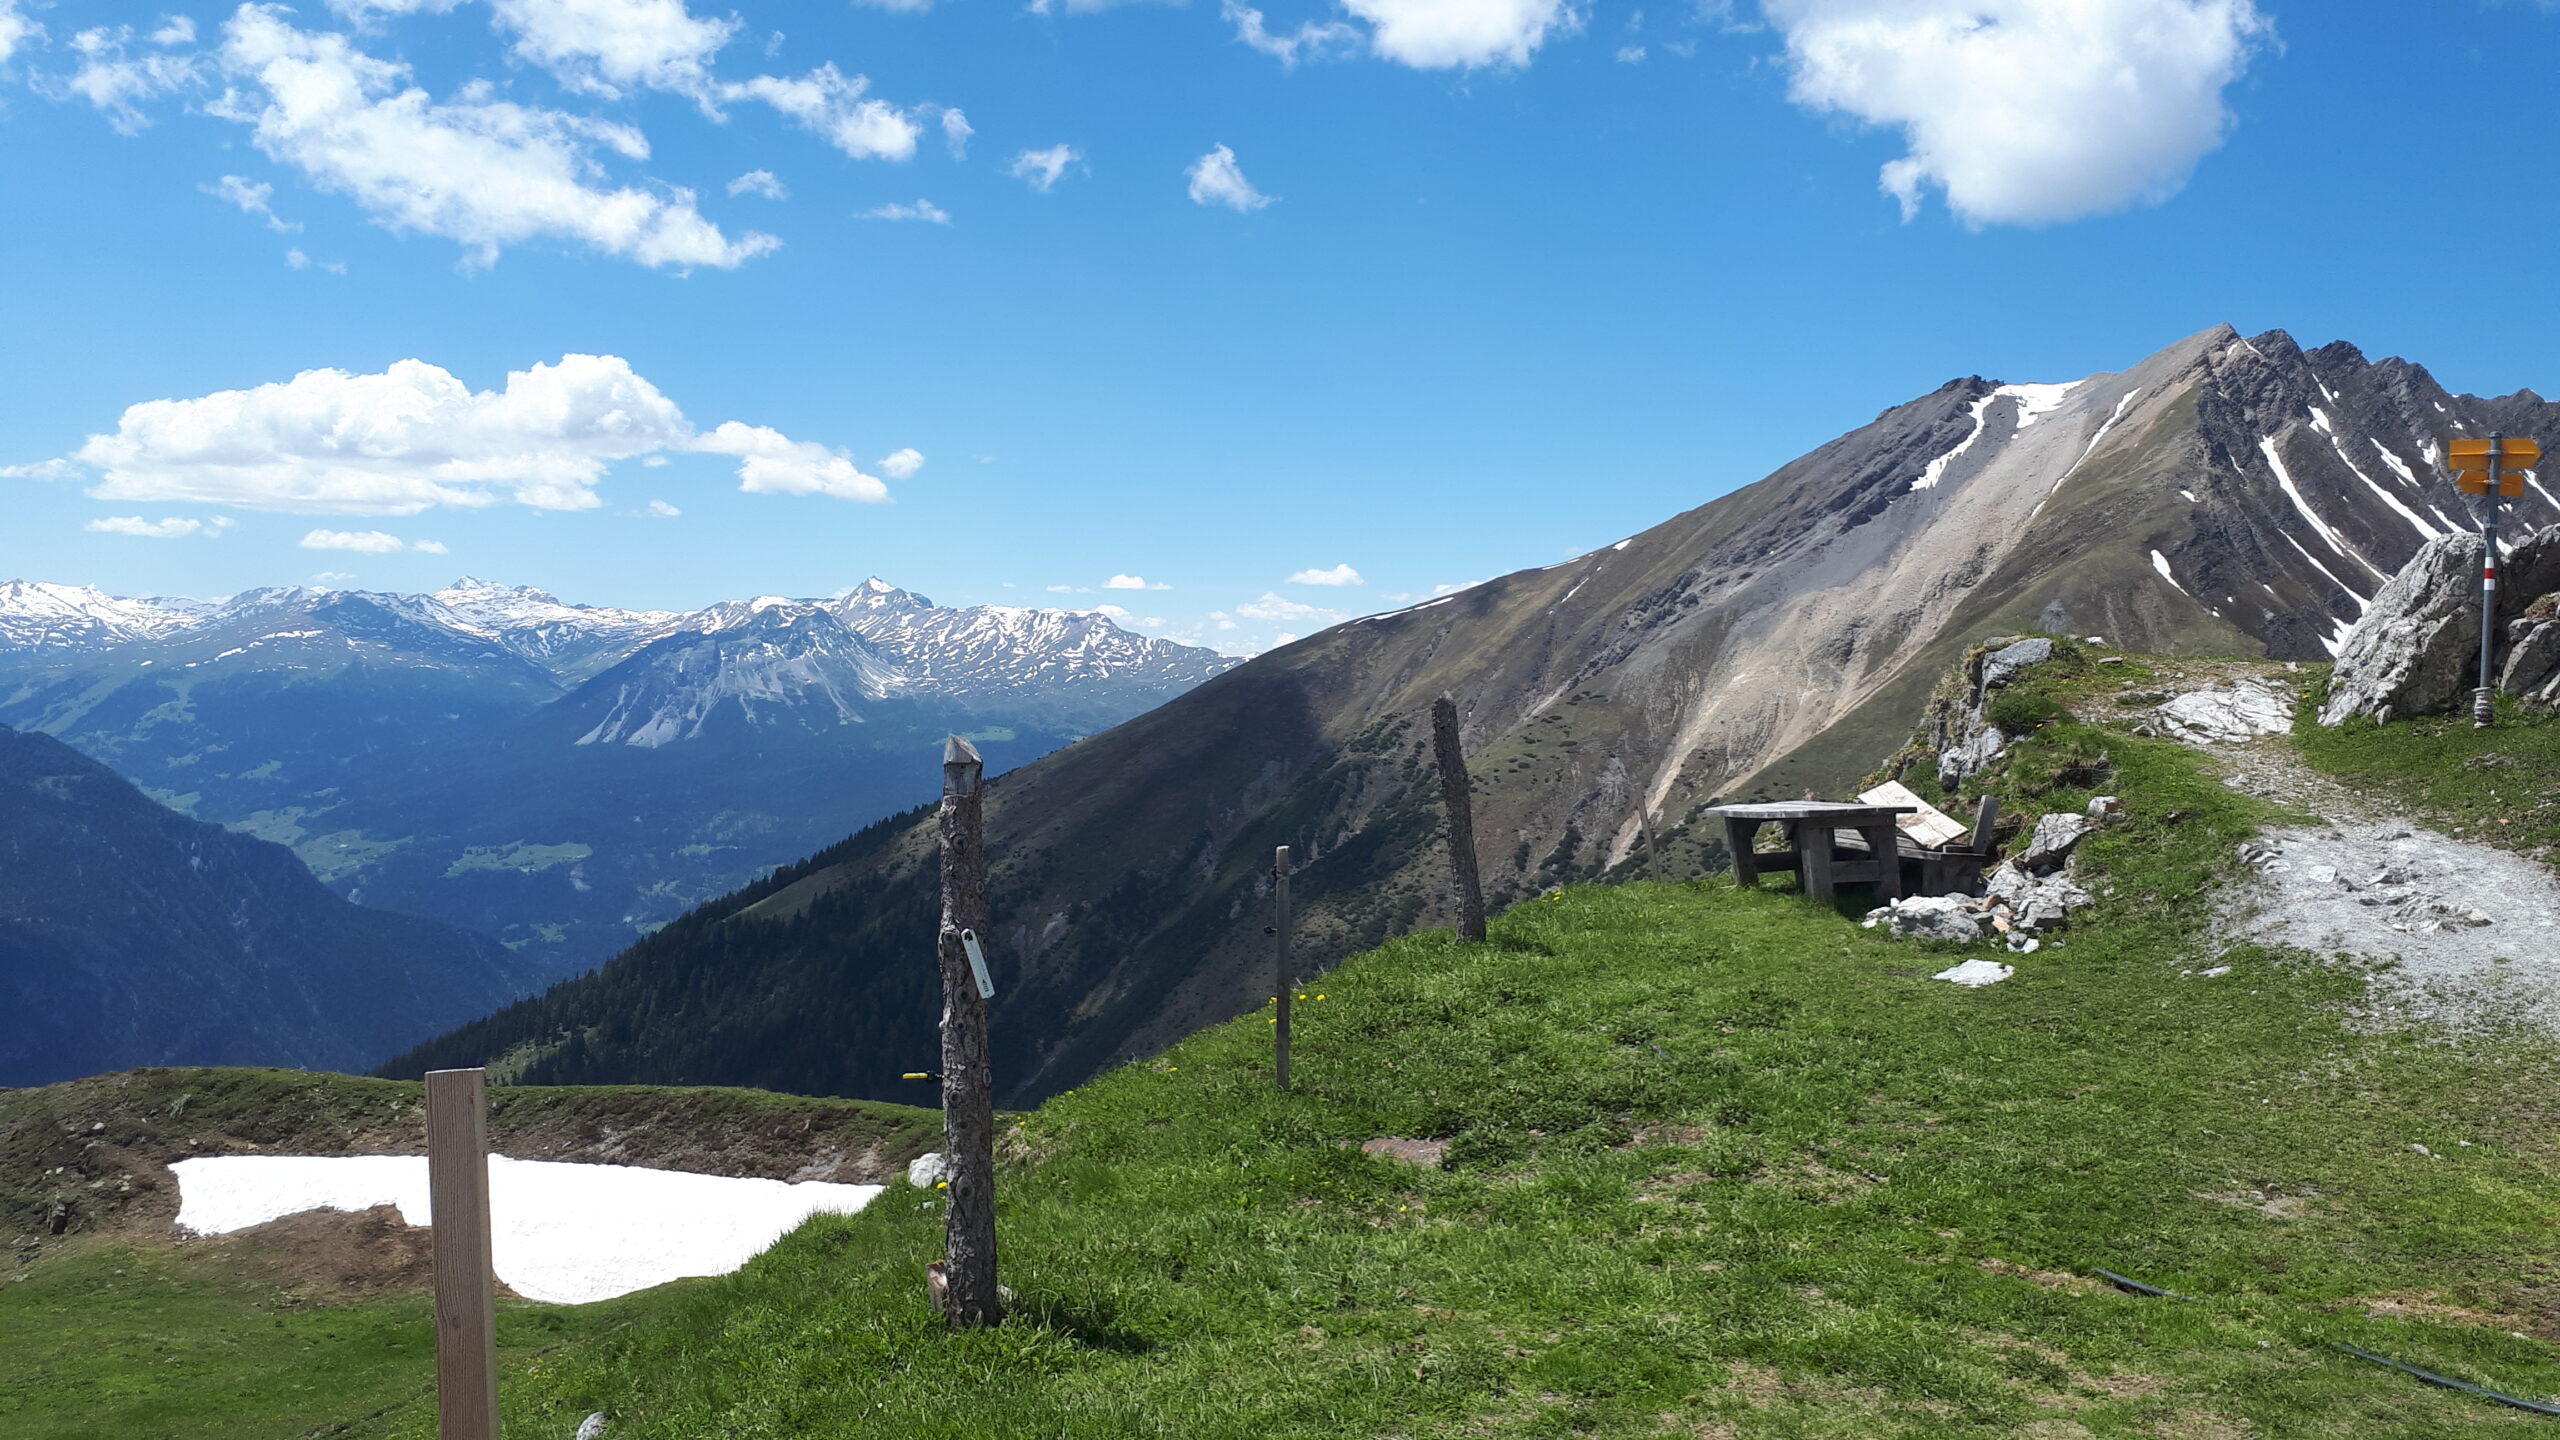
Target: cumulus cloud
x,y
924,210
116,83
759,182
1454,34
171,527
15,29
604,47
1338,575
2023,111
956,131
899,7
296,260
1216,179
662,510
1313,40
252,197
770,463
175,30
1040,169
368,542
834,107
414,436
1280,608
900,464
1130,582
486,173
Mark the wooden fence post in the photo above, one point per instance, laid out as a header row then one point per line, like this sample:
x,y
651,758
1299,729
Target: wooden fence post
x,y
466,1304
968,1107
1462,818
1282,970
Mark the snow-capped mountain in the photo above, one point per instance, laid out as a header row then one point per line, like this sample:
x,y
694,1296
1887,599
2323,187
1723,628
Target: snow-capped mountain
x,y
775,663
562,776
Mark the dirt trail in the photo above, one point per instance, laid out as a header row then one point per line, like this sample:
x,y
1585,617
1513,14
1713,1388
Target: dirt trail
x,y
2450,931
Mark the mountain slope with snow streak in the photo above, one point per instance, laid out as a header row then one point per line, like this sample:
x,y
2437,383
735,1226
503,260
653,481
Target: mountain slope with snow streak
x,y
1775,640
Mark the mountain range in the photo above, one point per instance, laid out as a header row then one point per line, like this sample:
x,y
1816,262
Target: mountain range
x,y
132,935
562,777
2229,494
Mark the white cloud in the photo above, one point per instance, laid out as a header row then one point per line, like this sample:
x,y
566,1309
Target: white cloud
x,y
486,173
174,30
42,470
1216,179
1338,575
903,463
1124,582
1630,54
662,510
15,29
899,7
110,80
771,463
1040,169
605,46
924,210
252,197
1448,34
759,182
333,577
1313,40
368,542
830,104
168,528
413,437
1279,608
956,131
294,259
2026,111
1060,589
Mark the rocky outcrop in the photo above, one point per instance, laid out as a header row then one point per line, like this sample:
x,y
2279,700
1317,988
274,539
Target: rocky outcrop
x,y
1961,730
2532,666
2416,652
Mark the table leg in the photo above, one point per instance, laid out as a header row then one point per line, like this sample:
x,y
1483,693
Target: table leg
x,y
1737,838
1885,841
1813,857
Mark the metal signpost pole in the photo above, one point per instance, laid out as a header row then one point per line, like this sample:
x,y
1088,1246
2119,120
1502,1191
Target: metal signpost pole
x,y
2482,710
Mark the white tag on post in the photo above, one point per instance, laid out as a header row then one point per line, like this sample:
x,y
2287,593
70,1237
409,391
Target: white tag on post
x,y
978,964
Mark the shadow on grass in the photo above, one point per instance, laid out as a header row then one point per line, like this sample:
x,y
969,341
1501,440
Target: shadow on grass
x,y
1094,1327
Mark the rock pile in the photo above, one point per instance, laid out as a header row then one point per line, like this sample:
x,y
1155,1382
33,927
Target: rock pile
x,y
2023,898
2417,649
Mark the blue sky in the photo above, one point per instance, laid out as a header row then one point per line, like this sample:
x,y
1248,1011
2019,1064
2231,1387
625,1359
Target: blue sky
x,y
1449,288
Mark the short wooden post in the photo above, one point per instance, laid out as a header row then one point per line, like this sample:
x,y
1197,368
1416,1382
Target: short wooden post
x,y
1283,975
1652,853
968,1106
466,1301
1462,819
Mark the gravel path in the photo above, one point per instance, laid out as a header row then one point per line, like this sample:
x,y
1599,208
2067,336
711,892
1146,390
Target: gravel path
x,y
2451,932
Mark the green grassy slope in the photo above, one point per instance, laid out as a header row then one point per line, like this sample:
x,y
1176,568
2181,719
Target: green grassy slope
x,y
1719,1164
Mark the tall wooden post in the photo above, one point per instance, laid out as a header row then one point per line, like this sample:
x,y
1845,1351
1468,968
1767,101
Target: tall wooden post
x,y
968,1106
1283,972
1462,819
466,1302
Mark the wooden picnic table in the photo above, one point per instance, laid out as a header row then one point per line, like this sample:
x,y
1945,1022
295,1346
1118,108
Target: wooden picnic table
x,y
1809,824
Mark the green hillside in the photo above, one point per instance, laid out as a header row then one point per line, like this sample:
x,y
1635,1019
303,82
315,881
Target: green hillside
x,y
1718,1164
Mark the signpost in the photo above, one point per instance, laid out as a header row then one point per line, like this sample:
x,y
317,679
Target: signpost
x,y
2489,471
969,1296
458,1205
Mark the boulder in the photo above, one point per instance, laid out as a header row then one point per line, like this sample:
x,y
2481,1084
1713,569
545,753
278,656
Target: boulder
x,y
2224,714
1971,754
1933,917
2416,651
2533,658
2002,665
2054,836
928,1170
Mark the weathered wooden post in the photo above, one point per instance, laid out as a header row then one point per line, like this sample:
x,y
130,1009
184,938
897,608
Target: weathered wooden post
x,y
968,1107
466,1303
1462,818
1282,970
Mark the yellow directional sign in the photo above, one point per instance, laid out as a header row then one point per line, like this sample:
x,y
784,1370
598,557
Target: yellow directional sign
x,y
2476,482
2475,454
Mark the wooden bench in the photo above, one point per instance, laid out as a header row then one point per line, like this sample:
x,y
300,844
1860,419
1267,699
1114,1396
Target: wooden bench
x,y
1954,869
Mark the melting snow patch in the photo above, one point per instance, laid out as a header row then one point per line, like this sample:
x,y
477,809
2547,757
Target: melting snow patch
x,y
2037,401
564,1234
2160,563
2284,479
2191,497
1974,974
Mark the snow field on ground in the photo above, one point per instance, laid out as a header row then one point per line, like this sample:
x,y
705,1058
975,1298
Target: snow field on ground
x,y
562,1233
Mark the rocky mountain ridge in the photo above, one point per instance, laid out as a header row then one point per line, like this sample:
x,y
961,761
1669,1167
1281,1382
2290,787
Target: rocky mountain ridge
x,y
2229,494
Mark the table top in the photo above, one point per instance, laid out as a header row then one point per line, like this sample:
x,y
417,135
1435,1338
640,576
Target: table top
x,y
1833,810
